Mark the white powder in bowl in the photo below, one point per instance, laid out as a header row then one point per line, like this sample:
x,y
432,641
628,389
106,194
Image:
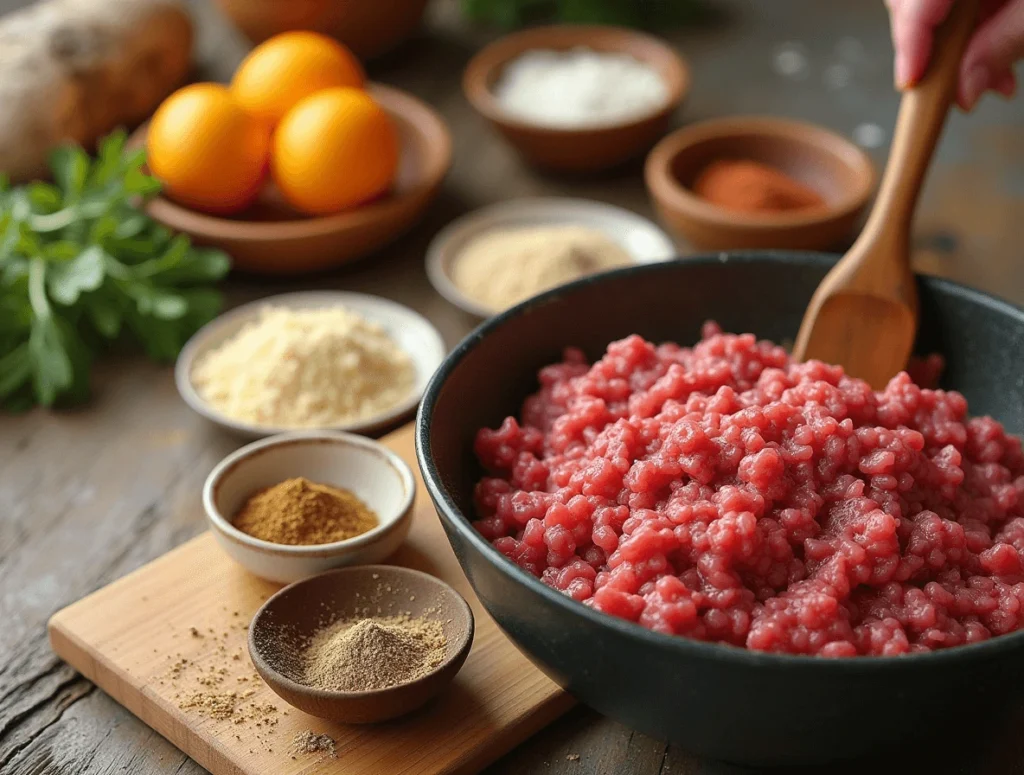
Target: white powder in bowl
x,y
502,268
298,368
579,88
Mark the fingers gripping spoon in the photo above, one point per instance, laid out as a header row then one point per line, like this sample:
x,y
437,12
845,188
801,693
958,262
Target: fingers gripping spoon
x,y
863,316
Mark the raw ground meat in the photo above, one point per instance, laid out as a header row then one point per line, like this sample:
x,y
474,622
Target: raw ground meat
x,y
728,494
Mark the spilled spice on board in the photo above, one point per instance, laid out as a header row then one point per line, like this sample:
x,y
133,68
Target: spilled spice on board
x,y
208,683
308,742
298,512
218,705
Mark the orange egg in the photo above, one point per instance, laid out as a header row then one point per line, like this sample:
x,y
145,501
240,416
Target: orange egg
x,y
288,67
209,153
333,151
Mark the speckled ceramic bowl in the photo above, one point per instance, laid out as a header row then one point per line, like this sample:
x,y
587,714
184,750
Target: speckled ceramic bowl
x,y
375,474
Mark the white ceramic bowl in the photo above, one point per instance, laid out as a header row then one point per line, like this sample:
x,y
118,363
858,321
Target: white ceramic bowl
x,y
638,236
375,474
410,330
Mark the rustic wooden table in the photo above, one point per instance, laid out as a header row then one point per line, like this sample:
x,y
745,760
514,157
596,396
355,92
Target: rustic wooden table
x,y
88,495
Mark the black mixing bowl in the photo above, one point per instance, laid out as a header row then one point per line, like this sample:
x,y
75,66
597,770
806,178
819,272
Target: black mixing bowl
x,y
717,701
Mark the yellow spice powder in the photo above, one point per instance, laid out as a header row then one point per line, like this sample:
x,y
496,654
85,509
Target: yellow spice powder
x,y
299,512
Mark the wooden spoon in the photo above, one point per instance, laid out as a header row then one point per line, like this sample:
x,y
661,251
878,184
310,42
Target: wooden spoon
x,y
863,316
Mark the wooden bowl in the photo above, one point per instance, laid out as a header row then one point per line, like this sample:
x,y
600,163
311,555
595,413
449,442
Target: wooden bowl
x,y
585,149
368,28
292,615
270,238
827,162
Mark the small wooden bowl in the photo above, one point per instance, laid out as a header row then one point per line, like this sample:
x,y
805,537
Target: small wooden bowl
x,y
827,162
369,29
295,613
270,238
586,149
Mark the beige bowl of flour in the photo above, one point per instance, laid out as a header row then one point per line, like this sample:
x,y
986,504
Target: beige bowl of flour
x,y
640,240
410,333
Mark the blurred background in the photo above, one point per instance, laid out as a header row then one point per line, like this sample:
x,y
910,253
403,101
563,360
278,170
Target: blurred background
x,y
830,64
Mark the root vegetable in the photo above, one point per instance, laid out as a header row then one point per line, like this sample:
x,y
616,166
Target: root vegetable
x,y
72,70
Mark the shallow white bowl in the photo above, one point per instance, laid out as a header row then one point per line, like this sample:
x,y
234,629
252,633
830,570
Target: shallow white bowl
x,y
410,330
638,236
375,474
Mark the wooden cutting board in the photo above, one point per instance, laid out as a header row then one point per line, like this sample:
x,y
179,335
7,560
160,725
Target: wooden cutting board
x,y
135,640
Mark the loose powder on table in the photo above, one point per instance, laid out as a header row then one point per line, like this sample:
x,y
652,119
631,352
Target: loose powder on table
x,y
299,368
299,512
506,267
749,186
355,655
579,88
307,742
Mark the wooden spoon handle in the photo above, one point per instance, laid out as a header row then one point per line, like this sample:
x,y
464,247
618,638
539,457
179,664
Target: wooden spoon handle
x,y
922,115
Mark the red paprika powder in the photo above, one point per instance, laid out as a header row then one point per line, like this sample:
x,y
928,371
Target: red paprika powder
x,y
752,187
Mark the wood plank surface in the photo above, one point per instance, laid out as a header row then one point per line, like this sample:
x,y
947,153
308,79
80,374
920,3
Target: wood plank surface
x,y
178,626
89,495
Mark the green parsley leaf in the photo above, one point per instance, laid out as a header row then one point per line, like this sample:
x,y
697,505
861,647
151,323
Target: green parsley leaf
x,y
70,165
81,266
15,369
67,281
51,366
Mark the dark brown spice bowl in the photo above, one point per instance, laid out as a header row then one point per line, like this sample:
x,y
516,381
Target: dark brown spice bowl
x,y
827,162
288,619
576,150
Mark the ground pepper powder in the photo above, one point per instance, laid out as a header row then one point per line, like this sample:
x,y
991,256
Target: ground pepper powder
x,y
358,655
299,512
752,187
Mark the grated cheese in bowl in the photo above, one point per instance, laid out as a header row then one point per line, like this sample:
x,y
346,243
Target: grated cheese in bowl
x,y
305,368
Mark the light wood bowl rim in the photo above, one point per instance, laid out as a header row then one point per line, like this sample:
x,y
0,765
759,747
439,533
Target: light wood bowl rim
x,y
672,195
211,228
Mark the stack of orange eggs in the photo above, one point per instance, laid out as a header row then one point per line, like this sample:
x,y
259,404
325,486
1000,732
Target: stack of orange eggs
x,y
297,110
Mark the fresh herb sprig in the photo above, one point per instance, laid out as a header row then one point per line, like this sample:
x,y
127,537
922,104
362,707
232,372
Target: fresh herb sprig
x,y
81,266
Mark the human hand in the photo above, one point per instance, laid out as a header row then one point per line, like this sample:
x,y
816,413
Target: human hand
x,y
997,43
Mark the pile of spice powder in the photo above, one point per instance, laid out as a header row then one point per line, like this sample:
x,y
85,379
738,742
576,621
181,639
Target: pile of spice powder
x,y
752,187
502,268
354,655
299,512
304,368
579,88
308,742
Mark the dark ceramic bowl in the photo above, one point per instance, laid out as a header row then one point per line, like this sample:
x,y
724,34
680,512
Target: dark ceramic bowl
x,y
713,700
